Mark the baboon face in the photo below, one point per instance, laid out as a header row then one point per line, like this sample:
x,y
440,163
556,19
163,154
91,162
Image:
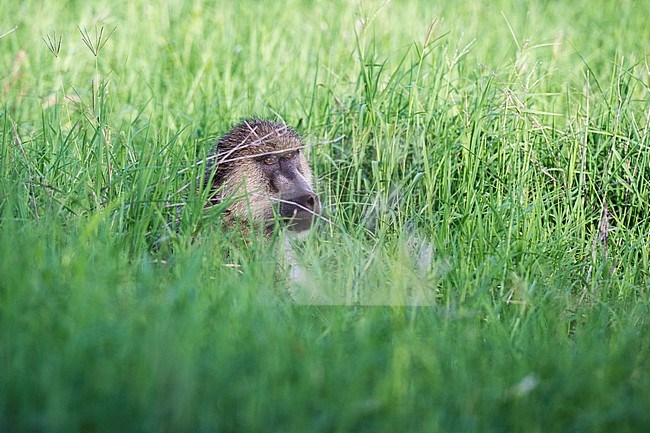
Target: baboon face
x,y
261,165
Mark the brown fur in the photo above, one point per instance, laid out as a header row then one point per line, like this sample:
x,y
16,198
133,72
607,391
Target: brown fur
x,y
260,164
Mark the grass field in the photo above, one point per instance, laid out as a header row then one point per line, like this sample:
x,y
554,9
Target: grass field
x,y
485,166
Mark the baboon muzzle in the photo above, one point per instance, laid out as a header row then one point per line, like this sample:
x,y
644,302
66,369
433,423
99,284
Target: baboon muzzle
x,y
299,212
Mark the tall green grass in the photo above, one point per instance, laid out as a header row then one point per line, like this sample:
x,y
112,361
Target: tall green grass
x,y
483,166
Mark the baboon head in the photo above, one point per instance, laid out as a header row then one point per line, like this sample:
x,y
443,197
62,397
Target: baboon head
x,y
261,165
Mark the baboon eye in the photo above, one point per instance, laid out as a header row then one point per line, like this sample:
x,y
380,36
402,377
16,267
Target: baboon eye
x,y
270,160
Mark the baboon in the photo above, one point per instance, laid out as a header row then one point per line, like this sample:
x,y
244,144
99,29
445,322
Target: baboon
x,y
260,164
